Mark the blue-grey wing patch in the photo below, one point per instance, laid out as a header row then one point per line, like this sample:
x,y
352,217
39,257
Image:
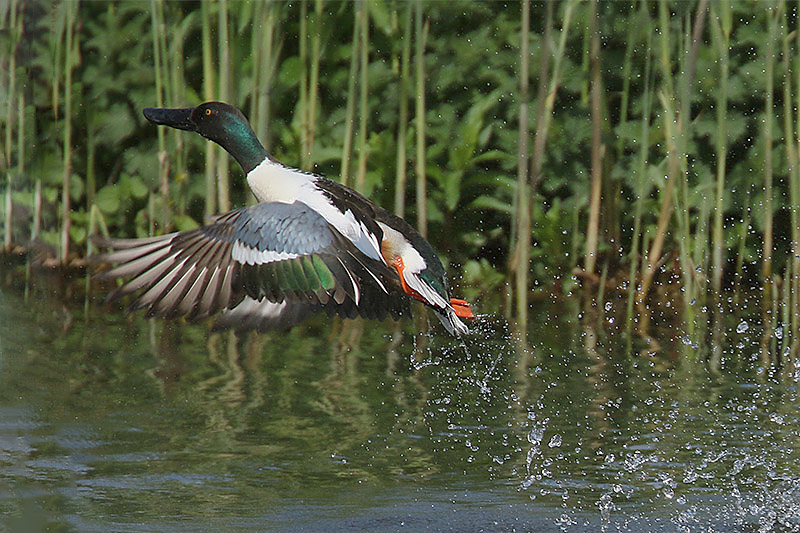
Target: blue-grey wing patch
x,y
274,229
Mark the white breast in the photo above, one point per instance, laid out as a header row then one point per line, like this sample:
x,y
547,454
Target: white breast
x,y
401,247
414,263
272,182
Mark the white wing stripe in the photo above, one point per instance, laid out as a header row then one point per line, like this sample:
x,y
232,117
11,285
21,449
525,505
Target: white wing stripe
x,y
252,256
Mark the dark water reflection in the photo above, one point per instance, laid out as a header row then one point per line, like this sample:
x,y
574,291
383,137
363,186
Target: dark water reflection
x,y
110,422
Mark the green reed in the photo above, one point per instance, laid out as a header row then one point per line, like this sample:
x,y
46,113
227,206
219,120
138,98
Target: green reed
x,y
401,172
632,159
363,101
522,251
71,10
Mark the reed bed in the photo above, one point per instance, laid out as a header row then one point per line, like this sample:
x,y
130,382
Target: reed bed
x,y
643,169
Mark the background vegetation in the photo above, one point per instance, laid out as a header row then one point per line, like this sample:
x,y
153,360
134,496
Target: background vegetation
x,y
646,151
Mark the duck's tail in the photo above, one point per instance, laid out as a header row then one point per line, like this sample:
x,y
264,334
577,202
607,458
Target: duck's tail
x,y
451,316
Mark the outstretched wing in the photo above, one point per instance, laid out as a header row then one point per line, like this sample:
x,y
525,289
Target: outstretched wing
x,y
272,252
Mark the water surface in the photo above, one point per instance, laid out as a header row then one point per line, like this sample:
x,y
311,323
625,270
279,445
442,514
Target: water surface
x,y
114,422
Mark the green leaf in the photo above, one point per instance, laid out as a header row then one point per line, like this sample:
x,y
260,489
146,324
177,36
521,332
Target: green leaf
x,y
135,186
490,202
76,187
77,233
380,16
290,71
452,189
185,223
107,199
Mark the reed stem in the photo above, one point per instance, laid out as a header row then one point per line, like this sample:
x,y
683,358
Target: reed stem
x,y
522,255
672,127
640,172
156,10
350,112
793,270
769,113
595,98
721,31
12,76
37,210
302,105
656,247
265,56
544,111
69,46
363,113
686,241
223,163
401,175
210,207
421,34
313,82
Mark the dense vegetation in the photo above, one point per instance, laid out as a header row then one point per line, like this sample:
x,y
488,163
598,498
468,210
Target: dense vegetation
x,y
617,145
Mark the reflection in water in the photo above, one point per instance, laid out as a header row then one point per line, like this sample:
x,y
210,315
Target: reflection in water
x,y
124,423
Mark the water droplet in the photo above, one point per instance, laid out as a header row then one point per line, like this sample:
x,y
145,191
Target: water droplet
x,y
555,442
606,506
535,435
742,327
608,306
565,520
778,419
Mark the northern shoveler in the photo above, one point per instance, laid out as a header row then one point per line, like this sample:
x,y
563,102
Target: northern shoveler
x,y
310,244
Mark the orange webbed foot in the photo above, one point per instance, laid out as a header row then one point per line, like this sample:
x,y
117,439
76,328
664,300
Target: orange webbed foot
x,y
462,308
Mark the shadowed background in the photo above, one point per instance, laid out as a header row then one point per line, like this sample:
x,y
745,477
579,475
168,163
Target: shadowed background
x,y
642,152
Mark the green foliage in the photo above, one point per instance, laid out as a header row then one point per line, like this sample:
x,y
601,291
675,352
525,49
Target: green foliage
x,y
472,104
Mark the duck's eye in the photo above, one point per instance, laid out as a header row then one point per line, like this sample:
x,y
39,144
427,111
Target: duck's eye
x,y
208,112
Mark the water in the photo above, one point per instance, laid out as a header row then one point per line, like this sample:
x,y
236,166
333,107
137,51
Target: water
x,y
113,422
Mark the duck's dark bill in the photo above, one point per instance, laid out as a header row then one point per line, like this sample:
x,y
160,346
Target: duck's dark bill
x,y
176,118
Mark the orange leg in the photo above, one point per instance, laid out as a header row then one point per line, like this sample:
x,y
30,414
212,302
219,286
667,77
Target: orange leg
x,y
461,307
398,264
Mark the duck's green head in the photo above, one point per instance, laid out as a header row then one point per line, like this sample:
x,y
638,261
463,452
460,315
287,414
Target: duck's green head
x,y
219,122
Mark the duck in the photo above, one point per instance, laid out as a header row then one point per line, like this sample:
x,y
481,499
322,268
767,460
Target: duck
x,y
309,245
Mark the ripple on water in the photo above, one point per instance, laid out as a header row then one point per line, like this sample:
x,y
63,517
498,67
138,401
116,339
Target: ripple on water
x,y
142,425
